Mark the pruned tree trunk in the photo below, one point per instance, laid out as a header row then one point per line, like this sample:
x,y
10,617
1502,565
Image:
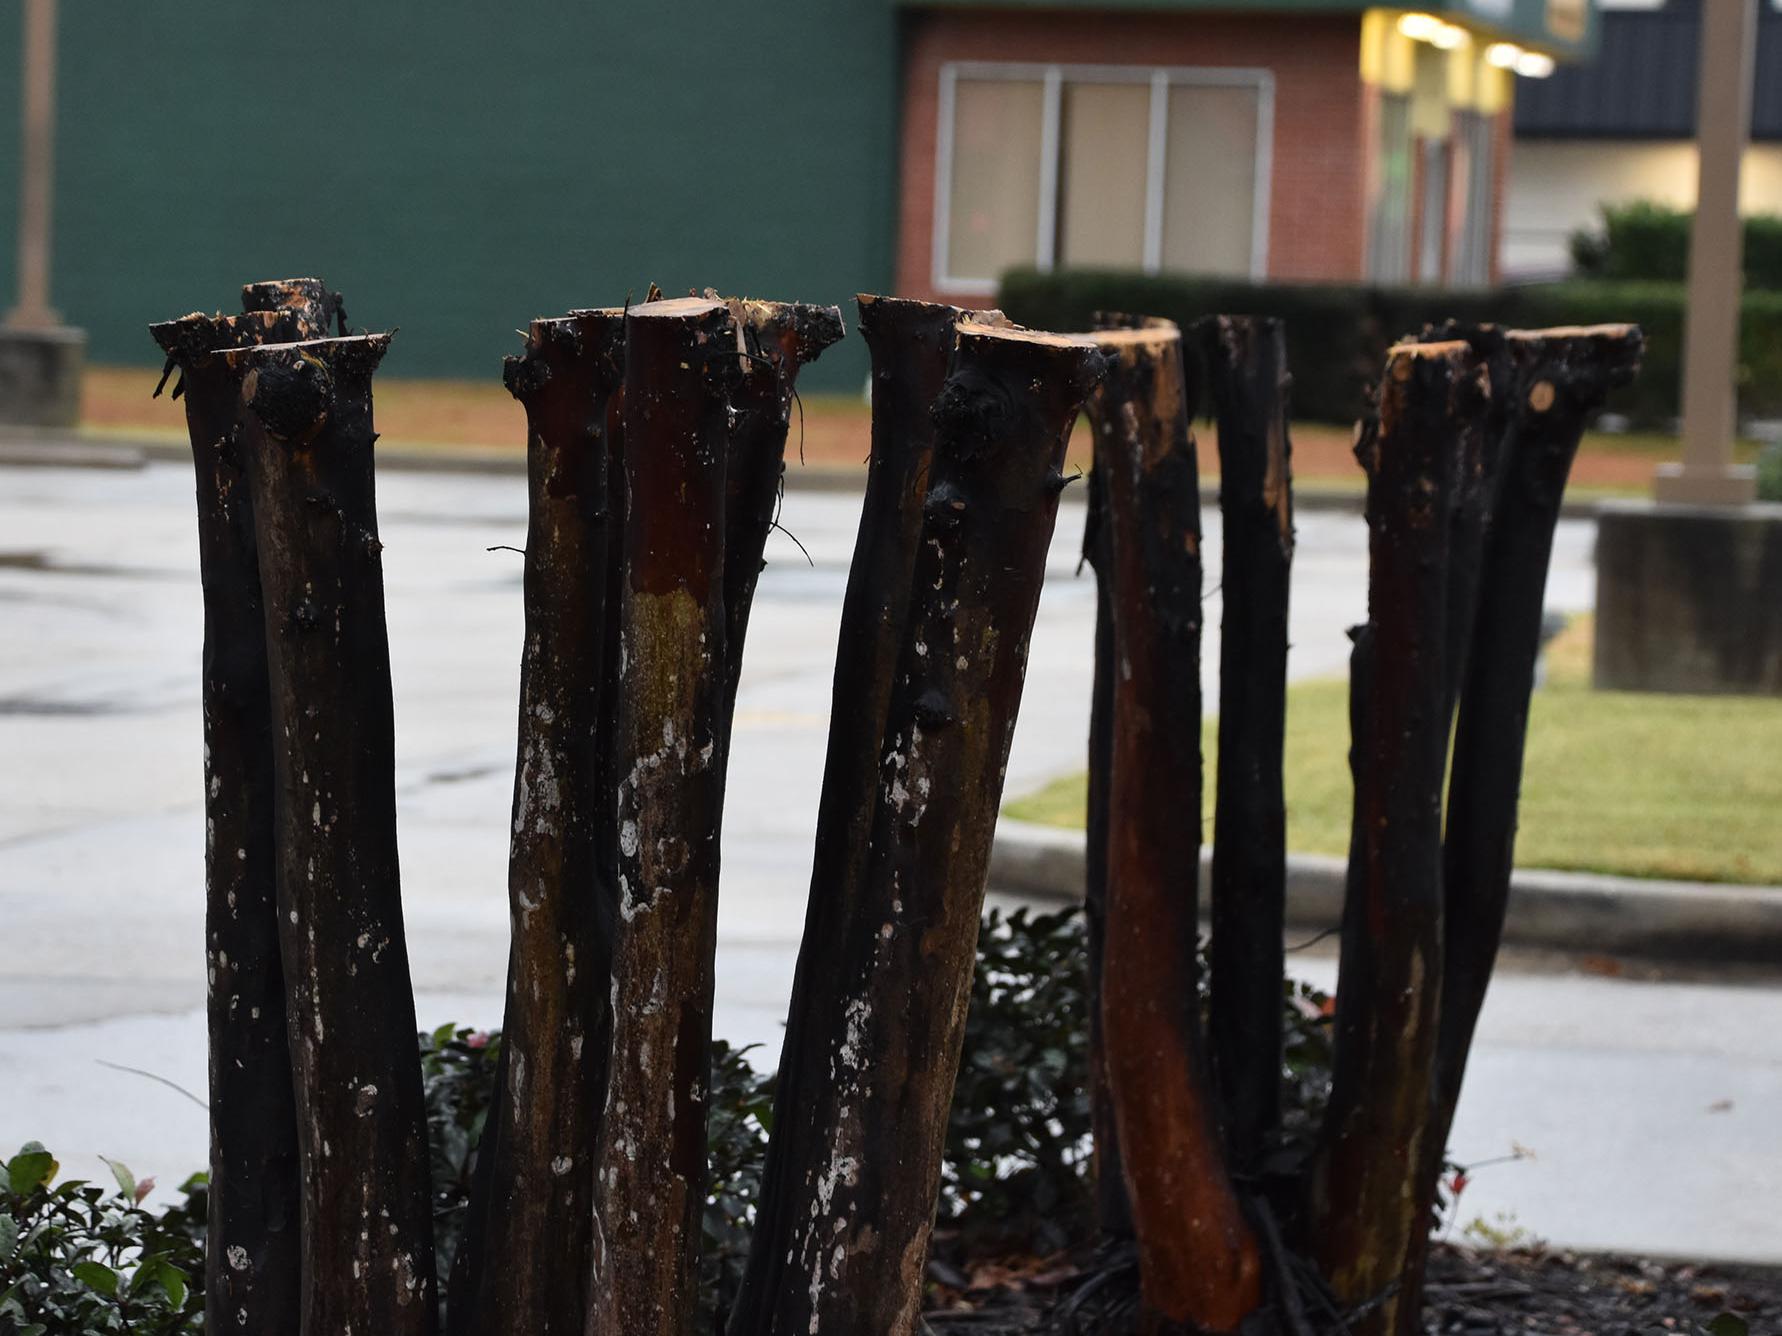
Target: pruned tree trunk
x,y
1246,360
773,341
1113,1212
861,1187
526,1269
253,1270
649,1181
911,344
1198,1261
366,1211
1368,1212
1561,378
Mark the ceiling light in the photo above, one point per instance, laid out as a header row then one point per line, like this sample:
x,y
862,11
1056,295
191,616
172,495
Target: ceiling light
x,y
1504,55
1533,65
1447,36
1420,27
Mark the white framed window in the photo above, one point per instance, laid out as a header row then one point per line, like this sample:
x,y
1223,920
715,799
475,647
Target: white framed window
x,y
1107,165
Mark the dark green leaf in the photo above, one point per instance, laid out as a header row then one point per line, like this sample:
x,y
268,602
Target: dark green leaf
x,y
96,1276
32,1167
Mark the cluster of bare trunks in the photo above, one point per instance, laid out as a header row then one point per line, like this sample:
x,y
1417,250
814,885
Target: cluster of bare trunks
x,y
656,442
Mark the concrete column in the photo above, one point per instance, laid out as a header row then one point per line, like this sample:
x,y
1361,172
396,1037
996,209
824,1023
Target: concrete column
x,y
37,127
40,359
1707,474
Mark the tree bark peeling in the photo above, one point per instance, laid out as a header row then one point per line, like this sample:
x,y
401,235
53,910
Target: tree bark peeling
x,y
366,1201
911,344
860,1193
650,1163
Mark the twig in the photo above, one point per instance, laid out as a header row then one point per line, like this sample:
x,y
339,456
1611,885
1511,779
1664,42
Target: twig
x,y
171,1085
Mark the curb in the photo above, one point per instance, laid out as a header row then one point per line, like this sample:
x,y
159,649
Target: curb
x,y
1678,921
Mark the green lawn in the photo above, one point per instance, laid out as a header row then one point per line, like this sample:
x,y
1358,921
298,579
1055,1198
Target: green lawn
x,y
1642,785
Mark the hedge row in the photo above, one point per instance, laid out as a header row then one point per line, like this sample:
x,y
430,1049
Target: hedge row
x,y
1645,242
1338,333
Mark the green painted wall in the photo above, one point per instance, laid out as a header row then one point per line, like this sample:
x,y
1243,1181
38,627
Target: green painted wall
x,y
457,168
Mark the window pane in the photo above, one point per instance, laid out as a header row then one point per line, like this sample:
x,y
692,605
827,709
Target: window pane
x,y
1105,136
1435,211
993,208
1209,179
1389,213
1472,172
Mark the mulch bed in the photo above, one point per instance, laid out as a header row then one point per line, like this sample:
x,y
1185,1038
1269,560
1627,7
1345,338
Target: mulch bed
x,y
1476,1293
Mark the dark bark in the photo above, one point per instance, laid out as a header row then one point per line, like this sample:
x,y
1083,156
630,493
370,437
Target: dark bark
x,y
309,298
1113,1212
253,1270
1561,378
911,344
366,1211
1198,1260
881,1062
1479,453
1367,1213
774,340
525,1269
1246,360
650,1165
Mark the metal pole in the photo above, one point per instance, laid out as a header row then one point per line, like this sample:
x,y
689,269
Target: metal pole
x,y
1707,475
38,132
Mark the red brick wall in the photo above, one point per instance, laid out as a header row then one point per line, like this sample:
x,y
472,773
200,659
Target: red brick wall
x,y
1317,201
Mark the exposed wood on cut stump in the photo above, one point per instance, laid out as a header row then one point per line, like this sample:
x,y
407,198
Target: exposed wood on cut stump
x,y
863,1188
367,1219
308,299
526,1269
650,1165
1561,377
774,340
1113,1212
1198,1260
253,1269
1246,361
911,344
1367,1212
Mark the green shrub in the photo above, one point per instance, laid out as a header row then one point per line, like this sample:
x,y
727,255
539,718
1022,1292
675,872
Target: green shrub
x,y
458,1067
1769,472
1646,242
1016,1173
82,1260
1338,333
1015,1176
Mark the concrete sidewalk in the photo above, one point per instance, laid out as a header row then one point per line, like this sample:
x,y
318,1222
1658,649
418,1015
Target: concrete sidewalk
x,y
1612,1082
